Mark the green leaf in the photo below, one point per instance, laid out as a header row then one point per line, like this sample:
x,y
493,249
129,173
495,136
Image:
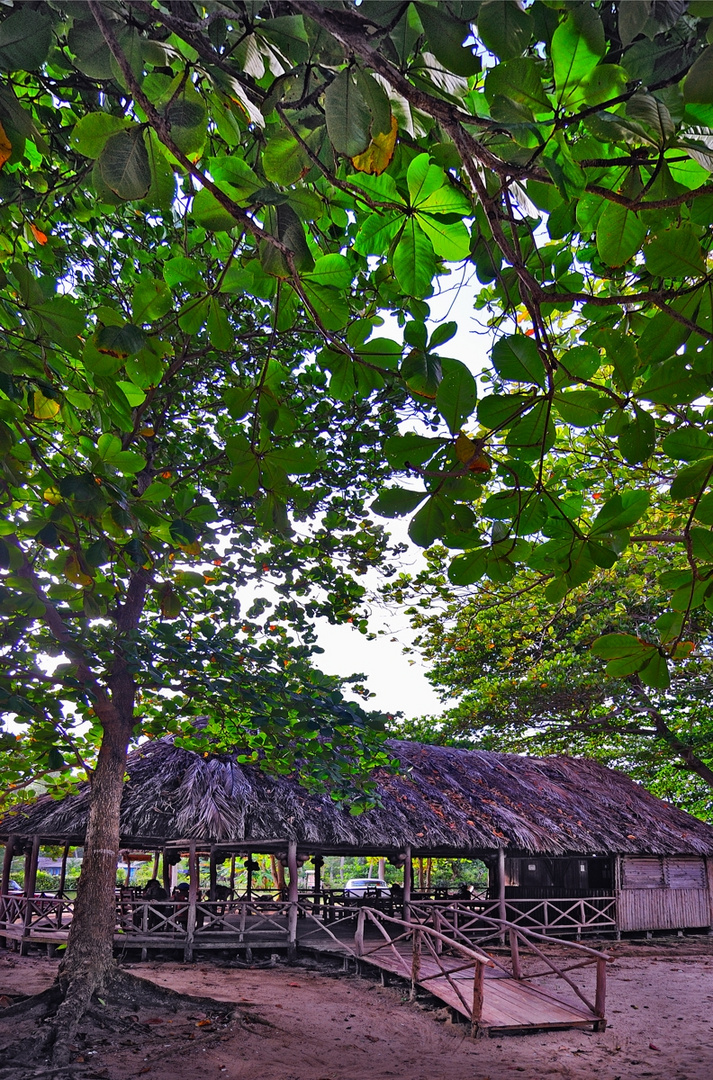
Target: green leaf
x,y
675,253
469,567
620,234
655,672
443,333
445,38
124,165
673,384
702,544
456,395
620,512
347,115
504,28
383,352
688,444
517,359
690,481
119,341
295,460
334,270
422,373
414,261
577,44
582,408
698,84
90,134
25,39
617,646
410,449
519,80
502,410
182,273
150,301
209,214
397,502
428,524
284,159
533,434
638,440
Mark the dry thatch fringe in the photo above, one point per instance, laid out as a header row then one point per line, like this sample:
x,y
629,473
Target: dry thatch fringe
x,y
441,801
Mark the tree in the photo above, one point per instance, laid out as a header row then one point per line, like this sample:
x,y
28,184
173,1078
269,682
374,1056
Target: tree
x,y
331,162
517,673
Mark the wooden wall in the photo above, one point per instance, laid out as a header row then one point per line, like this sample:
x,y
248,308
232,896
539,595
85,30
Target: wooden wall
x,y
663,893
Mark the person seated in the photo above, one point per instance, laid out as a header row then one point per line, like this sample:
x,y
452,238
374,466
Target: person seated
x,y
153,890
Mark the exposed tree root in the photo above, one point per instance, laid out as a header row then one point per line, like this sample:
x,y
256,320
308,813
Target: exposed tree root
x,y
72,1016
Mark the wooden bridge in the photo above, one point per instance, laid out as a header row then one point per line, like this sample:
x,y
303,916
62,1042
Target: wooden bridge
x,y
488,970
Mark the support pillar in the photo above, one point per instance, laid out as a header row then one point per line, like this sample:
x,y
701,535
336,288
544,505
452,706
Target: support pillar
x,y
62,883
501,889
249,883
408,878
293,898
232,875
166,873
5,886
213,872
194,874
30,882
154,873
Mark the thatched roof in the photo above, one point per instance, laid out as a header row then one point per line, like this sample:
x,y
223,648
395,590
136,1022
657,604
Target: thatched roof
x,y
442,801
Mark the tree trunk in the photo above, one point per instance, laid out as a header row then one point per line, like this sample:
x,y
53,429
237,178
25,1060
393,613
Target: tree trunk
x,y
88,962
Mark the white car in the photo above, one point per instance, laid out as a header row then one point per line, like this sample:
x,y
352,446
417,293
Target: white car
x,y
366,887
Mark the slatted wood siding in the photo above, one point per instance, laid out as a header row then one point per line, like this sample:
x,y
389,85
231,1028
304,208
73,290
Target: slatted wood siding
x,y
663,893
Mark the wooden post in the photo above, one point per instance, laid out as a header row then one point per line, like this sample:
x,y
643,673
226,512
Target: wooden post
x,y
249,886
30,881
437,925
293,898
194,875
63,870
62,883
429,874
166,872
477,1011
421,874
213,871
501,890
515,955
408,877
154,873
5,887
601,993
382,868
415,963
128,872
232,875
359,935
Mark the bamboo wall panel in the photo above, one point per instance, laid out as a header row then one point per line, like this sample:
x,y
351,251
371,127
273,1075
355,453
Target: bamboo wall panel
x,y
663,909
657,872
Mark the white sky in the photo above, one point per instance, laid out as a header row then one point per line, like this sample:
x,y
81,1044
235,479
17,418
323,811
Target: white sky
x,y
399,682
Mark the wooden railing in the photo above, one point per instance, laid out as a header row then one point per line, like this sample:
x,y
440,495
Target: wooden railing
x,y
552,916
523,944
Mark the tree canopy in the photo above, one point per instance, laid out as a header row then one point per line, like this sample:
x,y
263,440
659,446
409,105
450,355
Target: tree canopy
x,y
517,672
207,208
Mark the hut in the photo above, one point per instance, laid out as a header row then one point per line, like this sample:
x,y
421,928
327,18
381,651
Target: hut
x,y
572,847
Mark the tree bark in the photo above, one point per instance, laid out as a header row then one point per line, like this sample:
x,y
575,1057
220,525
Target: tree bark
x,y
88,963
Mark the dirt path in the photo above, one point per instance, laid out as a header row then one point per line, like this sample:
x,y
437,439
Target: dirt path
x,y
300,1024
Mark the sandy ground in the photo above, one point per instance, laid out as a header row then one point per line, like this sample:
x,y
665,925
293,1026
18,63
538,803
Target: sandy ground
x,y
297,1023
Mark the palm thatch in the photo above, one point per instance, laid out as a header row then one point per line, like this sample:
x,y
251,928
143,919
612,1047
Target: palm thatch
x,y
442,801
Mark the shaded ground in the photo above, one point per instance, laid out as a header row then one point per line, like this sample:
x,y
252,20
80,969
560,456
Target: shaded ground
x,y
295,1023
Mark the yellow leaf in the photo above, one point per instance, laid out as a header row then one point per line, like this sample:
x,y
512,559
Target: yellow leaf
x,y
74,573
378,153
43,408
39,236
5,147
52,496
471,454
